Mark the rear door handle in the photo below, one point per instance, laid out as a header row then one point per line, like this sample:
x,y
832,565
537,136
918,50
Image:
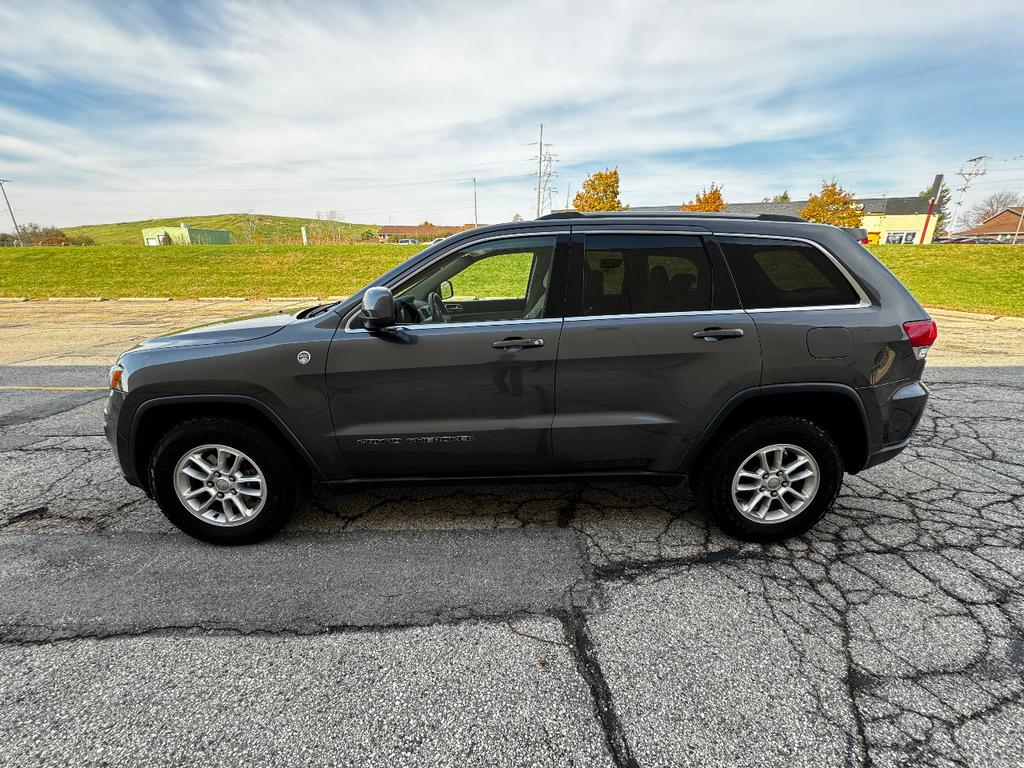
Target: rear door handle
x,y
517,344
714,334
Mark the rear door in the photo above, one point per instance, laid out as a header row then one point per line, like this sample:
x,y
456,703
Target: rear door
x,y
654,343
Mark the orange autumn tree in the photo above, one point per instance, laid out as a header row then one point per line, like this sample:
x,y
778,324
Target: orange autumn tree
x,y
833,205
708,200
600,192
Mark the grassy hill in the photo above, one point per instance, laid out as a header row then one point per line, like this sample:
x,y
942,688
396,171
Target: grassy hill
x,y
244,228
979,278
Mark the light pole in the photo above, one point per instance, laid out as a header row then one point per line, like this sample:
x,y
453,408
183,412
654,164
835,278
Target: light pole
x,y
17,232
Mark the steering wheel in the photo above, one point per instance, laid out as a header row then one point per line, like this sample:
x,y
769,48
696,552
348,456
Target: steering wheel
x,y
438,311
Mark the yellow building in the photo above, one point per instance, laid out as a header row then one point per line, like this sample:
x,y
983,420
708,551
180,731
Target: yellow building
x,y
893,220
898,220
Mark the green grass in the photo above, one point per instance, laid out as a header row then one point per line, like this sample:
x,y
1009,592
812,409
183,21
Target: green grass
x,y
185,272
500,277
244,228
973,278
979,278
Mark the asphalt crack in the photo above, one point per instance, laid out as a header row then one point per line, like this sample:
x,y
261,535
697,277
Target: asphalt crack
x,y
587,664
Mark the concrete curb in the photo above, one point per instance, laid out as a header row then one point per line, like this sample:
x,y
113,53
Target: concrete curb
x,y
961,314
75,299
12,299
143,299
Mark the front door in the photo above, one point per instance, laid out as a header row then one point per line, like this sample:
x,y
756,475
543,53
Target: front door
x,y
465,384
654,344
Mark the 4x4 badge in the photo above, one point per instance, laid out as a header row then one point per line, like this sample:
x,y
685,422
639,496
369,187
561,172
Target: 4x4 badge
x,y
302,357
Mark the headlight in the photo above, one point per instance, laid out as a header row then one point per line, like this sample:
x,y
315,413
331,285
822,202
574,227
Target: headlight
x,y
116,371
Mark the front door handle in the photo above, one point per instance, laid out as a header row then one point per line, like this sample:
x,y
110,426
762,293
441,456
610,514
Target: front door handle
x,y
516,344
714,334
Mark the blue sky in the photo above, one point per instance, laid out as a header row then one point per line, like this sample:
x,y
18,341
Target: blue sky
x,y
115,112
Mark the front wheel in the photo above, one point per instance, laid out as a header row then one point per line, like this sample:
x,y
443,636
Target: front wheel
x,y
771,479
223,481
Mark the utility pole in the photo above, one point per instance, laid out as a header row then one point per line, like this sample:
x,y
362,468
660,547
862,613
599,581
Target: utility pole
x,y
540,165
977,169
1020,221
476,218
932,197
568,191
17,232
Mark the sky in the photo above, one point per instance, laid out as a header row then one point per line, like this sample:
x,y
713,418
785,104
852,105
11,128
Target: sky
x,y
385,112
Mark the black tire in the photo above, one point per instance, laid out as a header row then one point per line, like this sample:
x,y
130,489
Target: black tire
x,y
283,486
712,482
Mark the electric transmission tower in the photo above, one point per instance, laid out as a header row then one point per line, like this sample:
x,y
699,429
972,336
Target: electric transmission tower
x,y
977,169
545,164
547,174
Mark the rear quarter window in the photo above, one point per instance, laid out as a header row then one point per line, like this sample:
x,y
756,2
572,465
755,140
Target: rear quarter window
x,y
780,273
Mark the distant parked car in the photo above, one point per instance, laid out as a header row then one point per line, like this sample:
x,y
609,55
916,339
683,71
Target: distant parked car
x,y
408,241
435,241
970,240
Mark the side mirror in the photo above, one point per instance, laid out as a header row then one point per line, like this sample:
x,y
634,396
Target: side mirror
x,y
447,290
378,308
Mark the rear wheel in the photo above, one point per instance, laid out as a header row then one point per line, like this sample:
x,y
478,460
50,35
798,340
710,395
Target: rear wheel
x,y
223,481
771,479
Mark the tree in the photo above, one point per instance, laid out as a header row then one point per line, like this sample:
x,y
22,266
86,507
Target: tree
x,y
993,204
941,212
36,234
833,205
600,192
783,197
707,200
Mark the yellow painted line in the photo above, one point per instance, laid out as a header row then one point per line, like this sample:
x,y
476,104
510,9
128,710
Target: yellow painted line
x,y
55,389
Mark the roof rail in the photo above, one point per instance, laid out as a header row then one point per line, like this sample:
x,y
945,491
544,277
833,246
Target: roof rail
x,y
669,215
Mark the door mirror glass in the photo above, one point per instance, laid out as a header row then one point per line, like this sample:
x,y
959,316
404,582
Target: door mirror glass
x,y
378,308
447,290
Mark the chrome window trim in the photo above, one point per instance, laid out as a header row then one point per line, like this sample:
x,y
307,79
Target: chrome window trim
x,y
863,303
481,324
642,315
864,300
443,254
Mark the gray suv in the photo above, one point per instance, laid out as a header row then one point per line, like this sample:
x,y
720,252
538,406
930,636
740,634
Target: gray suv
x,y
761,356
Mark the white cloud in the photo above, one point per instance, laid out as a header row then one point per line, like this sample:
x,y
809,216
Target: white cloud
x,y
388,110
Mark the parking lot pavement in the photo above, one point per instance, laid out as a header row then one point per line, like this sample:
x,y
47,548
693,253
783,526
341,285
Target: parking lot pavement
x,y
541,625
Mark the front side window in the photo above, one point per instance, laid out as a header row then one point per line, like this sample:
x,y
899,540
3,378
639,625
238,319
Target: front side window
x,y
641,274
779,274
505,279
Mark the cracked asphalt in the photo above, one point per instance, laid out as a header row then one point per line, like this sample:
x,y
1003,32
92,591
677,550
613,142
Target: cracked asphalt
x,y
553,625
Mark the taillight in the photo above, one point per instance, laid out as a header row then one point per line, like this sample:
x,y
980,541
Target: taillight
x,y
922,334
864,241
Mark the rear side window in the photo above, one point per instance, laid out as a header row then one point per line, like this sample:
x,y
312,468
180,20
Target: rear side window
x,y
779,274
640,274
